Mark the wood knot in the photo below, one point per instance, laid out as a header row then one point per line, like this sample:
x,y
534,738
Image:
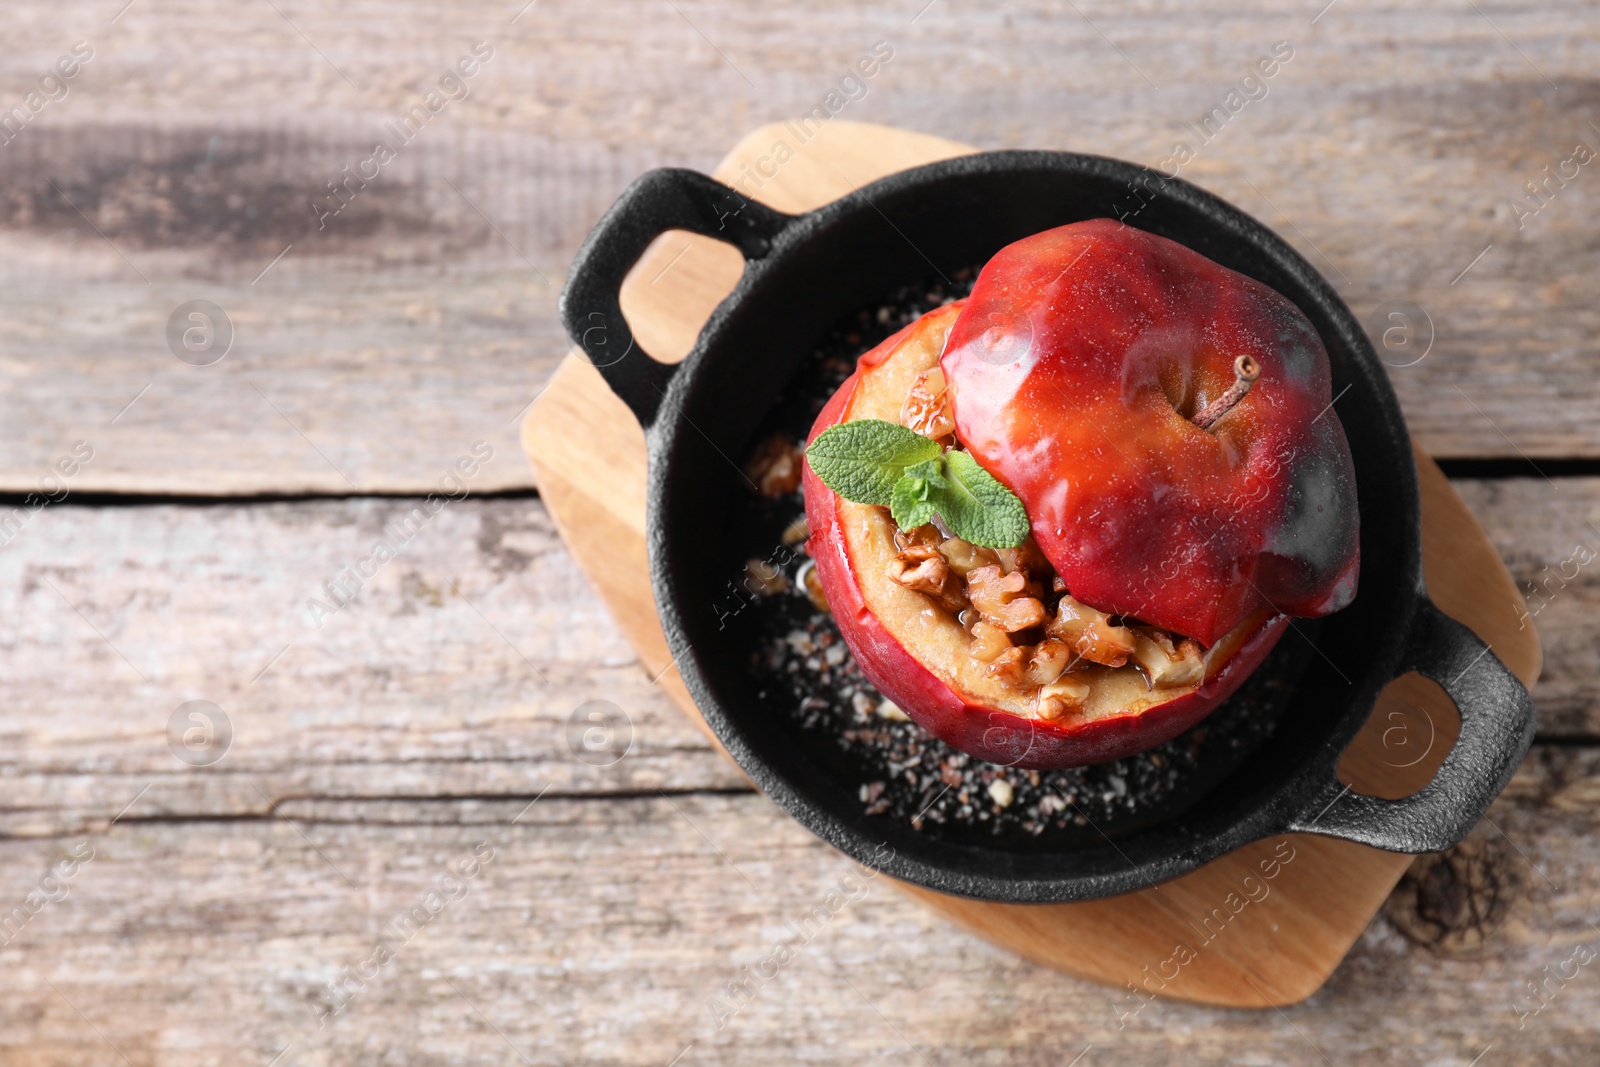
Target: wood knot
x,y
1454,901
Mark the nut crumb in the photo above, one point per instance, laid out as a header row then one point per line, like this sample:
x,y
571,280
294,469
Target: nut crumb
x,y
763,579
776,466
797,531
1090,633
919,566
1002,600
811,585
888,709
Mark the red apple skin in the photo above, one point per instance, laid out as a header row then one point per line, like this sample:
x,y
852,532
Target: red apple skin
x,y
989,734
1064,369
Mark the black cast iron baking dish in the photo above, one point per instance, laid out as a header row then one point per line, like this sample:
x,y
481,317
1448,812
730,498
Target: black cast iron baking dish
x,y
805,273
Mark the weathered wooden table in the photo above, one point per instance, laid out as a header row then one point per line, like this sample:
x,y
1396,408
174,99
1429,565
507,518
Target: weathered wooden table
x,y
382,841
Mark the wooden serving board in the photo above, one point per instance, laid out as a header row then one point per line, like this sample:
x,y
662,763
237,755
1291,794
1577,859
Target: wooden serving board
x,y
1276,948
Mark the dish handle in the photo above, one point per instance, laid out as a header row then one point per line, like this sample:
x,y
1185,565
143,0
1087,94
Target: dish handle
x,y
660,200
1496,730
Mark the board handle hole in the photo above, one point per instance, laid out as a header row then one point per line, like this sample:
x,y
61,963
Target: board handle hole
x,y
1403,743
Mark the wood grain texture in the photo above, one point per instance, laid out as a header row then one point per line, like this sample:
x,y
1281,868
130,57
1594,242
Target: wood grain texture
x,y
1391,150
1549,535
454,672
609,931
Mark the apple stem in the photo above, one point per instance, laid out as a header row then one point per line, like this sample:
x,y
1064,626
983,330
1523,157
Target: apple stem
x,y
1245,373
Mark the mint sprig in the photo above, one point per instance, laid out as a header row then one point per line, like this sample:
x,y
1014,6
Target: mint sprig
x,y
862,460
911,502
978,508
870,461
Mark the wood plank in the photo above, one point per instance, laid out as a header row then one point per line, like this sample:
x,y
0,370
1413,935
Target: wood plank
x,y
414,324
608,931
361,361
1549,535
454,672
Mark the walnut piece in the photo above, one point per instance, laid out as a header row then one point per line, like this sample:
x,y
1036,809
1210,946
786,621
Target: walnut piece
x,y
764,579
1050,660
797,531
1001,599
927,408
988,641
810,584
1010,665
1026,558
965,557
776,466
926,534
1061,696
920,567
1166,663
1090,633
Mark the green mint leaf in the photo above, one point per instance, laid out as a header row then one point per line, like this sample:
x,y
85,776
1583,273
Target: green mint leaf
x,y
978,508
930,471
909,504
862,460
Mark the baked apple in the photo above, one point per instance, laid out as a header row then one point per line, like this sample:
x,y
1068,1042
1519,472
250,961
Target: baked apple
x,y
1061,521
1077,374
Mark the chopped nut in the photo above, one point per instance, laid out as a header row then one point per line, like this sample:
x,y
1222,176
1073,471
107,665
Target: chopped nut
x,y
1027,561
915,554
1001,601
1091,634
988,641
1001,793
1061,696
920,567
1164,662
926,535
776,466
965,557
763,579
927,576
1049,660
1026,557
1008,666
797,531
927,410
888,709
811,585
